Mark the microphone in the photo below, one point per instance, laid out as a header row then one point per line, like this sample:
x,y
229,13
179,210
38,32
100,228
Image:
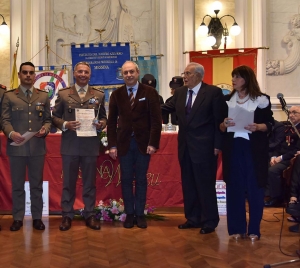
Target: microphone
x,y
282,101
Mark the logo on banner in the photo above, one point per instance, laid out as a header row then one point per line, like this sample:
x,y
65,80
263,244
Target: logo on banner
x,y
51,82
226,88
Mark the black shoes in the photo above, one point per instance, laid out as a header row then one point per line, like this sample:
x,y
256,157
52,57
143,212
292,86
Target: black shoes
x,y
92,223
274,202
38,225
16,225
295,228
206,230
186,225
141,222
65,224
129,221
293,209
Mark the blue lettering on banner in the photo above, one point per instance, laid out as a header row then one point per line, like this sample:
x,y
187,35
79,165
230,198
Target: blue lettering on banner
x,y
105,60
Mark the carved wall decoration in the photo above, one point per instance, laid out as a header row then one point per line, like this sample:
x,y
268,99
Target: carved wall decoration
x,y
86,21
292,43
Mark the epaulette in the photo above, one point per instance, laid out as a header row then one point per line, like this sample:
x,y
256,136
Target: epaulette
x,y
98,89
42,90
64,88
11,90
3,87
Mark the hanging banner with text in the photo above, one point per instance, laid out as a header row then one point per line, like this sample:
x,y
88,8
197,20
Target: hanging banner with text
x,y
148,65
106,61
218,64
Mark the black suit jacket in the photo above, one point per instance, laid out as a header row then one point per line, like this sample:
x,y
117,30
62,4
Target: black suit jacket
x,y
199,133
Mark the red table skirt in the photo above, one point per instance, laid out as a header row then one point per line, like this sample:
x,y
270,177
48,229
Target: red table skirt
x,y
164,182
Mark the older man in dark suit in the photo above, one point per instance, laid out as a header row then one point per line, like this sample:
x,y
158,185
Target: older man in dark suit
x,y
200,110
134,129
79,151
26,109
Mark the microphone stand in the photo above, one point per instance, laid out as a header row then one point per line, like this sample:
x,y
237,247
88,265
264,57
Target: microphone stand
x,y
284,108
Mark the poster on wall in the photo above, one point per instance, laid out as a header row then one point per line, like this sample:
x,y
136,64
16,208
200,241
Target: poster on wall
x,y
51,81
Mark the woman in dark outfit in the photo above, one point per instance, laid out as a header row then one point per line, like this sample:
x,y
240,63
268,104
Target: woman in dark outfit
x,y
245,155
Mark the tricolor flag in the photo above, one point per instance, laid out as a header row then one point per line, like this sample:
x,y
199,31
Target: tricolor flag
x,y
219,63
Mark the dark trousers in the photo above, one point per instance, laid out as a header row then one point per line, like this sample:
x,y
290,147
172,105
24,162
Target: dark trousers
x,y
71,166
35,166
243,184
275,188
134,166
199,191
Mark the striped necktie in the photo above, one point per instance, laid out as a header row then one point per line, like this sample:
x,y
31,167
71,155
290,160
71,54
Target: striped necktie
x,y
188,106
131,97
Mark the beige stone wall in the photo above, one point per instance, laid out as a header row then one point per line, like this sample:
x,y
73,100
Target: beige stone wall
x,y
5,45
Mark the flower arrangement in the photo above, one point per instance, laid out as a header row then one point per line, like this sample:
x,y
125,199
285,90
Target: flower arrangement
x,y
114,211
103,141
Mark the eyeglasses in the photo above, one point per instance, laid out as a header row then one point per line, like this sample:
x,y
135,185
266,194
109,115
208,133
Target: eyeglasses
x,y
293,112
187,74
27,72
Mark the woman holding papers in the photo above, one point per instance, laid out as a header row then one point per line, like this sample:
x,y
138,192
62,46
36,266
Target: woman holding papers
x,y
245,153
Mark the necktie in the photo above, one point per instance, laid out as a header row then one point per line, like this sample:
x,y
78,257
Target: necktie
x,y
131,97
81,93
28,94
188,106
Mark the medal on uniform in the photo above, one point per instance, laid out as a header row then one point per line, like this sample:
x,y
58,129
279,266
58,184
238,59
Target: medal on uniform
x,y
288,140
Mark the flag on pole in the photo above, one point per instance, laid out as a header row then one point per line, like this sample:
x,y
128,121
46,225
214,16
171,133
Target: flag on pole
x,y
14,82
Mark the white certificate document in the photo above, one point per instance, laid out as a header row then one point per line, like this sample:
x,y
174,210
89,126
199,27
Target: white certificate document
x,y
85,117
241,117
27,135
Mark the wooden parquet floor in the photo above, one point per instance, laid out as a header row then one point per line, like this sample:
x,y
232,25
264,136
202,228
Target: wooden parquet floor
x,y
162,244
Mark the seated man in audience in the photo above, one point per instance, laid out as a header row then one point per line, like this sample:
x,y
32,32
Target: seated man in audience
x,y
293,207
277,136
280,160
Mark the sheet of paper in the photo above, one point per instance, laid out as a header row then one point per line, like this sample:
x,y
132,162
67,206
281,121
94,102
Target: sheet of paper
x,y
85,117
241,117
27,135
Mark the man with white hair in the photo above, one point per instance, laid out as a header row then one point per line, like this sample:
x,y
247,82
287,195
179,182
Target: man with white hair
x,y
280,160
